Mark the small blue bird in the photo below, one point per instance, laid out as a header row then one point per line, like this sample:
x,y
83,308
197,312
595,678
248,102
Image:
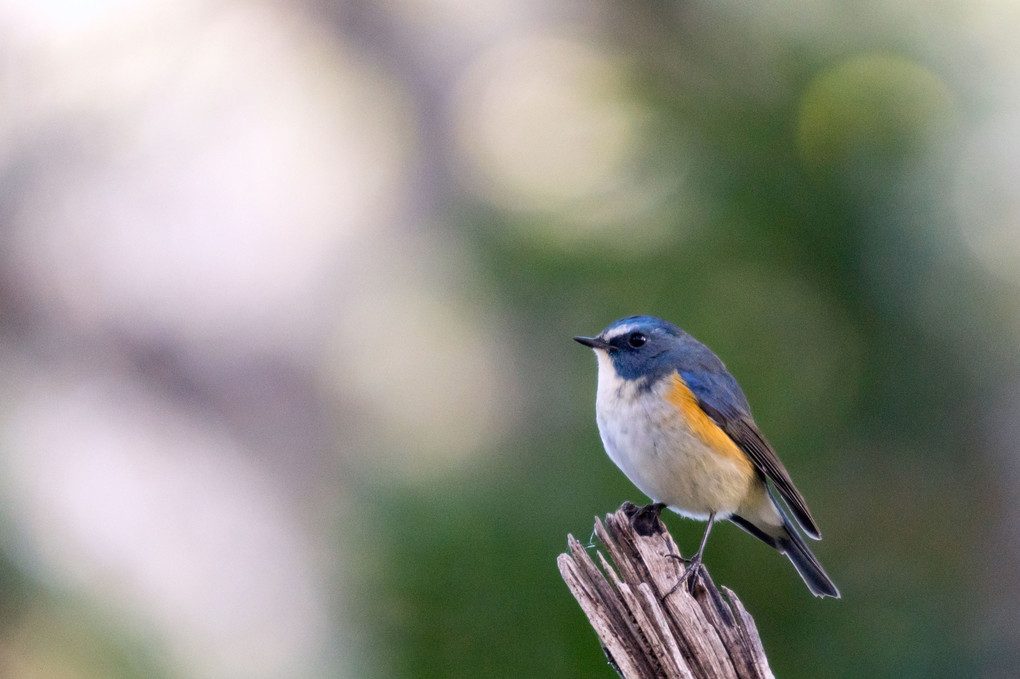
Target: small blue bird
x,y
676,422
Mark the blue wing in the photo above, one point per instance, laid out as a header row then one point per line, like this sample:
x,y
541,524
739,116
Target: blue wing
x,y
721,398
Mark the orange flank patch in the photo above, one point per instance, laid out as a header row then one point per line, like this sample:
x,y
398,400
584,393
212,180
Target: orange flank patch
x,y
681,396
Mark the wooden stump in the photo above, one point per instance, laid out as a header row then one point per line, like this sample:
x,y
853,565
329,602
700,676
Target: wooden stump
x,y
695,632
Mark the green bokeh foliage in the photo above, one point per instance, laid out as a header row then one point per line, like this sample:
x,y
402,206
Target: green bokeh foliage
x,y
804,280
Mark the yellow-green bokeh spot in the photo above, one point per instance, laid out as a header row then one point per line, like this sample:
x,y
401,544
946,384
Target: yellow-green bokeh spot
x,y
874,108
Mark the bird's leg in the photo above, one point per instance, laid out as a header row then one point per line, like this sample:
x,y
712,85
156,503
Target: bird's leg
x,y
645,521
693,567
696,560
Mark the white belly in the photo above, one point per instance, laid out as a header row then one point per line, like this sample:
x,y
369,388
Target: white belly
x,y
647,438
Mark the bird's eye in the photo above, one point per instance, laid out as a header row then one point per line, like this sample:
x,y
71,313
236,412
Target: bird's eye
x,y
636,340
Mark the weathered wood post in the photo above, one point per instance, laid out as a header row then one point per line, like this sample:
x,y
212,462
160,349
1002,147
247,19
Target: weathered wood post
x,y
694,632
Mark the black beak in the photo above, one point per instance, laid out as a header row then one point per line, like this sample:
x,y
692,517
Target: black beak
x,y
593,342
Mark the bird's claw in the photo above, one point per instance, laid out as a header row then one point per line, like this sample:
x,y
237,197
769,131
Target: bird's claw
x,y
691,574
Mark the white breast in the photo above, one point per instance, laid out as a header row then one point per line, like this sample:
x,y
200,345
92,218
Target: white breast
x,y
651,443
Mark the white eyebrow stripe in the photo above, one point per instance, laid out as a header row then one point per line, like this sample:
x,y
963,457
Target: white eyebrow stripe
x,y
621,331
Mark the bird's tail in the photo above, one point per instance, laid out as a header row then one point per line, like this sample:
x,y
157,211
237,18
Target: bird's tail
x,y
766,520
815,577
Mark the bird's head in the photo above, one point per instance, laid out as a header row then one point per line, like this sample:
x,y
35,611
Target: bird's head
x,y
638,347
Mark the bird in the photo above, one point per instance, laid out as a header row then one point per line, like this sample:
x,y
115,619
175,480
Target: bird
x,y
676,422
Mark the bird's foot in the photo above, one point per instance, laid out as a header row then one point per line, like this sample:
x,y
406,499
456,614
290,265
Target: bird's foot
x,y
645,520
685,560
693,570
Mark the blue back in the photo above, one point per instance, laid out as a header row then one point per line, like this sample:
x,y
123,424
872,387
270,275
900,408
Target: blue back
x,y
670,349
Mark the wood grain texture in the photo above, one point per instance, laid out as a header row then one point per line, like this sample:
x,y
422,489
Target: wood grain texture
x,y
695,632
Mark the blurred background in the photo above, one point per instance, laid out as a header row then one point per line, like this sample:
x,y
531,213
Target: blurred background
x,y
286,296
